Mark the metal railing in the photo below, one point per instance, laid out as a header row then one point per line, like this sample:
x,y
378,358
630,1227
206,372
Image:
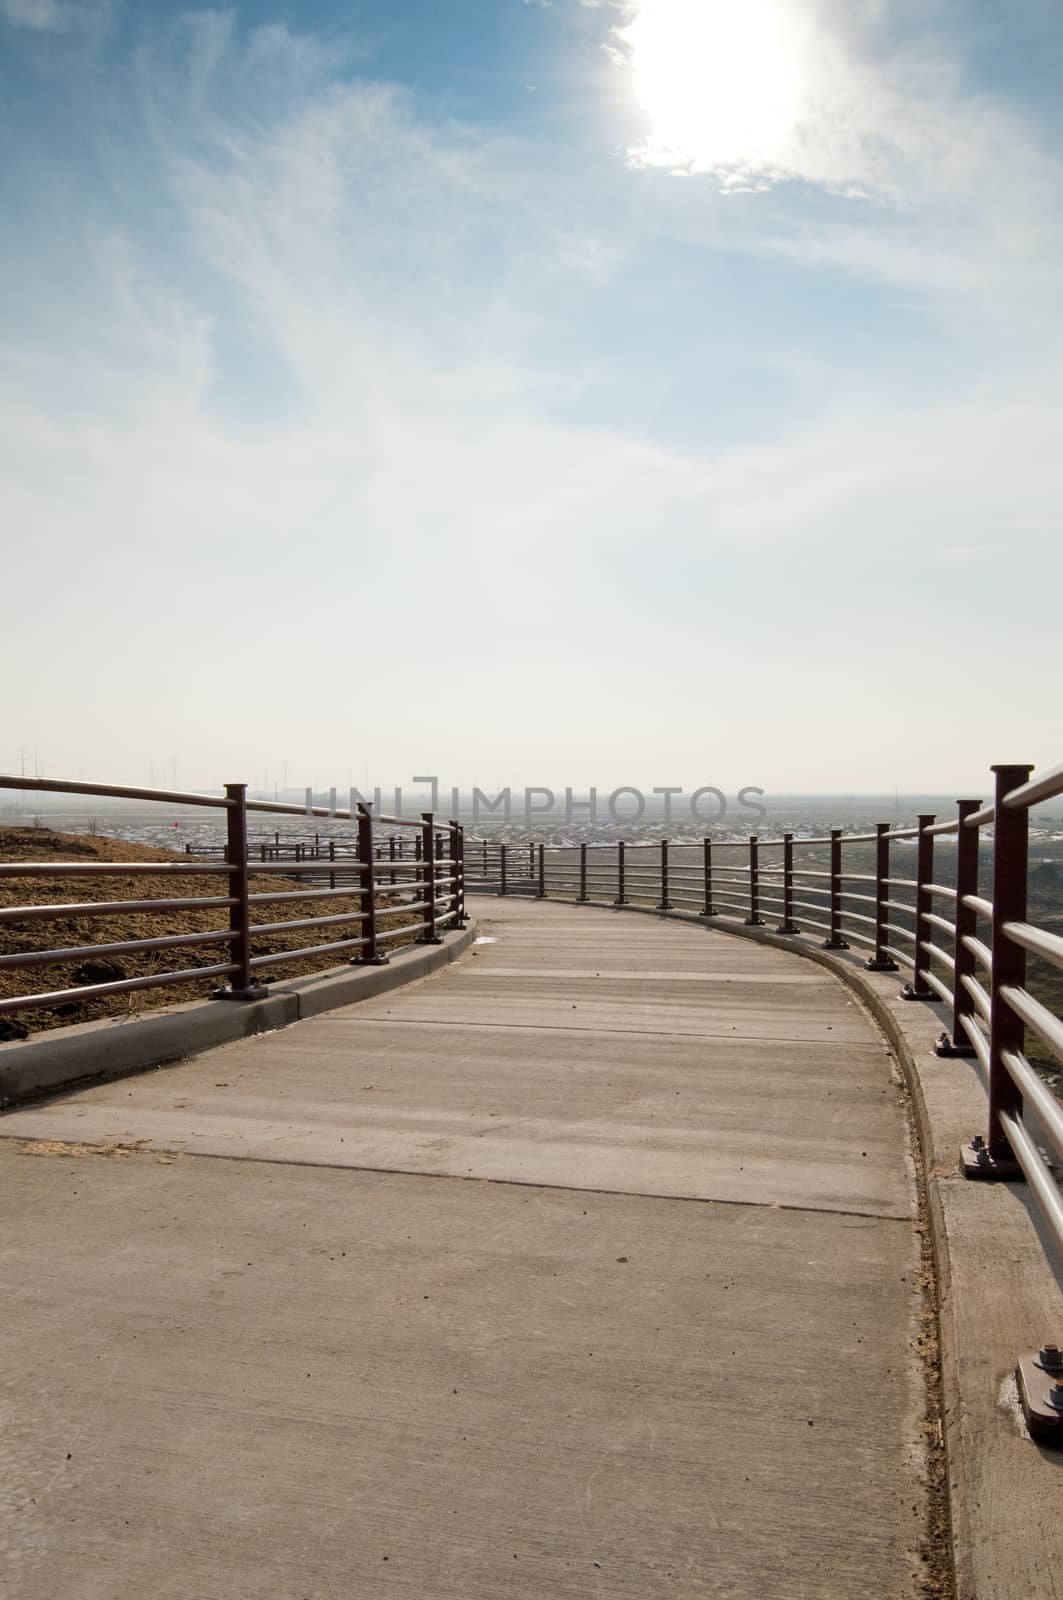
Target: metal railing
x,y
424,883
954,946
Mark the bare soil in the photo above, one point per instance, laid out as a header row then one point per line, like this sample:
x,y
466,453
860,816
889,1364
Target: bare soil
x,y
65,932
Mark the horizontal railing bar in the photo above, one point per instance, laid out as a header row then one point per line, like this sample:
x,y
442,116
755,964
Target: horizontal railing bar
x,y
1036,1016
898,955
978,819
1049,946
940,888
99,991
83,952
1036,1092
276,959
938,987
936,951
308,922
941,922
979,1043
945,827
1045,786
393,933
978,995
113,869
974,902
87,909
1041,1181
113,791
980,951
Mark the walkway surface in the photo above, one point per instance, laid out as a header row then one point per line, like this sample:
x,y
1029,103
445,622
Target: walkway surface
x,y
263,1339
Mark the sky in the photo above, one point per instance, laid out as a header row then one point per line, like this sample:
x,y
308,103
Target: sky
x,y
650,392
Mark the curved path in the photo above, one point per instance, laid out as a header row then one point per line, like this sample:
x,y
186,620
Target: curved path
x,y
263,1337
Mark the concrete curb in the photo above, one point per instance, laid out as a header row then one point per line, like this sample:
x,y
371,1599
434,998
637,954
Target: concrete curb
x,y
1000,1290
92,1052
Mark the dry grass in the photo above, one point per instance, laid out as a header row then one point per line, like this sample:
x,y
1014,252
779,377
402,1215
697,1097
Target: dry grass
x,y
42,844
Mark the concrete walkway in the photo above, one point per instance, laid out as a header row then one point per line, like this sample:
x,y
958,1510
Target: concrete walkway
x,y
263,1339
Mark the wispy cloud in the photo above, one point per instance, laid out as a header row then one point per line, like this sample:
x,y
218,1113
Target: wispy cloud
x,y
321,354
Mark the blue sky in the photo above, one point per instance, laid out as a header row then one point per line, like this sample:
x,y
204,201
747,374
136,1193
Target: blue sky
x,y
661,390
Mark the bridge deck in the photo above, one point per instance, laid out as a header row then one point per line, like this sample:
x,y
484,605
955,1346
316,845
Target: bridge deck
x,y
661,1345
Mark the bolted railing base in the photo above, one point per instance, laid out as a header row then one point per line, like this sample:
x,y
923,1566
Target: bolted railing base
x,y
254,991
663,905
976,1162
1039,1376
908,992
433,938
836,944
370,961
788,927
872,964
712,913
754,922
945,1045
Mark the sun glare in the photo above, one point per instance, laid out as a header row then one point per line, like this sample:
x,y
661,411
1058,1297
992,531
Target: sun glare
x,y
721,83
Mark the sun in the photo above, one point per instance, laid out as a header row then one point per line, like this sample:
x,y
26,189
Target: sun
x,y
722,83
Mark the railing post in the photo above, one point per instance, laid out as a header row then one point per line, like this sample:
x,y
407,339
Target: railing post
x,y
664,904
391,855
754,920
428,870
709,909
241,985
919,989
621,898
370,956
541,895
993,1156
582,896
957,1042
881,961
458,838
531,862
502,869
835,940
787,925
332,857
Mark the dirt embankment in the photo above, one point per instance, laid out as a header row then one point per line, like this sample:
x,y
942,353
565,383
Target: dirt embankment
x,y
21,935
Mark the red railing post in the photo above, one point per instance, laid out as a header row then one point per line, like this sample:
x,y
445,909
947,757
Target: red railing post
x,y
458,845
919,989
835,940
621,898
709,909
430,934
582,896
881,961
241,985
957,1042
754,920
993,1157
541,894
370,956
664,904
787,925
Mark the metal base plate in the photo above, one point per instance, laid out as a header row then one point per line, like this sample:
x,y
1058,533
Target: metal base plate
x,y
836,944
1043,1420
871,965
257,991
754,922
944,1046
788,927
370,961
908,993
976,1162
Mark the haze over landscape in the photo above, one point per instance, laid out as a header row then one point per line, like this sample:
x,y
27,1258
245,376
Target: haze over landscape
x,y
659,391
